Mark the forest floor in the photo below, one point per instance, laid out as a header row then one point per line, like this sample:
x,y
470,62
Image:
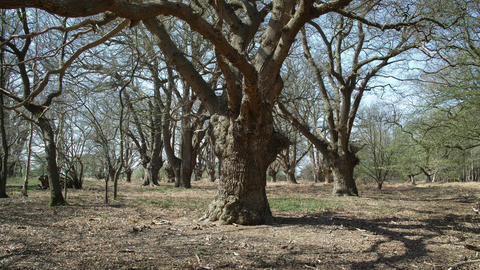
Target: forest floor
x,y
401,227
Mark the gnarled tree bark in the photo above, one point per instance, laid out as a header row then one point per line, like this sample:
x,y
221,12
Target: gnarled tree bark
x,y
246,154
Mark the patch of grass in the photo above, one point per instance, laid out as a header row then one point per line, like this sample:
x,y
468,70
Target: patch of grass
x,y
14,181
193,204
164,204
89,183
14,184
18,188
76,201
161,189
287,204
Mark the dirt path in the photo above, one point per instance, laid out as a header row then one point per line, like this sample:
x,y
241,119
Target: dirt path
x,y
401,227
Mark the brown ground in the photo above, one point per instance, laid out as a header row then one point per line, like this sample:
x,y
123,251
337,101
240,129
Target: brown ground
x,y
401,227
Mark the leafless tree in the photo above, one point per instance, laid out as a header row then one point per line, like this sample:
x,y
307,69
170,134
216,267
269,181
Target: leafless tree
x,y
249,53
32,93
372,36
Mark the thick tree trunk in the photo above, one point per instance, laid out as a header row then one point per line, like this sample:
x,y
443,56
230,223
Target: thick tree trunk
x,y
170,173
151,173
241,196
428,176
290,174
211,174
411,179
146,177
342,170
379,186
273,174
185,180
78,182
128,174
56,197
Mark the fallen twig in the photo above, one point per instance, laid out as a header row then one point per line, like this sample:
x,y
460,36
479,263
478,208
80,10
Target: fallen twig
x,y
462,263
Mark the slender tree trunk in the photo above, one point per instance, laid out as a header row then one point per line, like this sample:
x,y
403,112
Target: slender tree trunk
x,y
328,176
210,161
78,183
27,169
3,134
121,161
241,196
115,183
316,166
56,197
317,175
187,158
4,153
342,170
65,187
198,171
106,190
3,156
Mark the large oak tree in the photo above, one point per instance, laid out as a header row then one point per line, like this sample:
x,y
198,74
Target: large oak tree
x,y
251,40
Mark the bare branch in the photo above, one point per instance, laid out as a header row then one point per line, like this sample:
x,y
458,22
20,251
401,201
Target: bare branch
x,y
44,82
383,27
94,25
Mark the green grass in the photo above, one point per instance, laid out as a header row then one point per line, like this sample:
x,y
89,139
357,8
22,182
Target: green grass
x,y
161,203
15,184
161,189
18,181
288,204
90,183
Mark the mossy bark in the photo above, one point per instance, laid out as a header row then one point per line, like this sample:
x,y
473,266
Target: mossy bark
x,y
57,201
